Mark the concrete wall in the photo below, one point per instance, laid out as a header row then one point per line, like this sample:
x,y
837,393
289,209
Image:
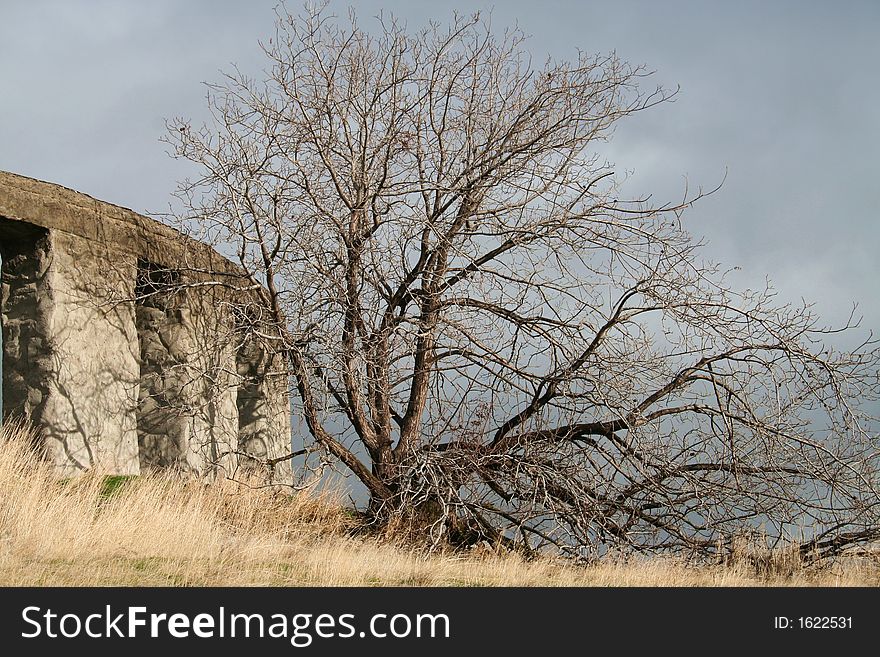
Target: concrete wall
x,y
120,362
89,420
187,399
26,308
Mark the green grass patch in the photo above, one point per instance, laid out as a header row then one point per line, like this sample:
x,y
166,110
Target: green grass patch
x,y
113,483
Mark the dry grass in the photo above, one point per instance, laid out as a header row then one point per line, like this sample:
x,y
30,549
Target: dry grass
x,y
165,531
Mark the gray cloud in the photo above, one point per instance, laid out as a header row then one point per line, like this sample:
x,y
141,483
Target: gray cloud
x,y
779,95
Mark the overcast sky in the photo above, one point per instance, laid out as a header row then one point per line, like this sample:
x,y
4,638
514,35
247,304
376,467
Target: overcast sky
x,y
782,96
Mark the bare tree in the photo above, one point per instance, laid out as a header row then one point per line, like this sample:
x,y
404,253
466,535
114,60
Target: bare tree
x,y
485,334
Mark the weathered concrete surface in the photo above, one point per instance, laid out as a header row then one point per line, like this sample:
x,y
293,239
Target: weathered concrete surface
x,y
118,350
26,307
89,419
187,397
261,401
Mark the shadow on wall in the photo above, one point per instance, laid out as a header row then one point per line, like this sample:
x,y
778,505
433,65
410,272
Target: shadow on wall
x,y
24,255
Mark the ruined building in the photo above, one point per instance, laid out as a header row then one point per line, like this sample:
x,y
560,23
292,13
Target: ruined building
x,y
129,346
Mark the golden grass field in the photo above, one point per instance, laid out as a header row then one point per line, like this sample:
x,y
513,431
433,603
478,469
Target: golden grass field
x,y
160,530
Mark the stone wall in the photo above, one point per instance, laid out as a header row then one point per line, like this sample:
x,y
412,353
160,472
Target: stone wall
x,y
26,304
259,399
120,342
89,420
187,413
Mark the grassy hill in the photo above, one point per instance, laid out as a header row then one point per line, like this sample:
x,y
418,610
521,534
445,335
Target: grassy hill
x,y
165,530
